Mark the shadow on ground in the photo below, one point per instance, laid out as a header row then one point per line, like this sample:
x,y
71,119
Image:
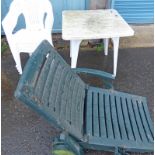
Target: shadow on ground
x,y
26,133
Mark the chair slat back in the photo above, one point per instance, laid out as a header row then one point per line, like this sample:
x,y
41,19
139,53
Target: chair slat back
x,y
50,86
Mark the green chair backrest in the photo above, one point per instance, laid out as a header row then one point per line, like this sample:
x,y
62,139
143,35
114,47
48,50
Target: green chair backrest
x,y
49,86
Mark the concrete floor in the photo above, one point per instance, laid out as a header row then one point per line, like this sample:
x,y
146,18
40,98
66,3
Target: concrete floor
x,y
26,133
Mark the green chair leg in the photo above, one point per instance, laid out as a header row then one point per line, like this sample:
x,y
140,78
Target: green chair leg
x,y
119,151
65,145
61,148
108,83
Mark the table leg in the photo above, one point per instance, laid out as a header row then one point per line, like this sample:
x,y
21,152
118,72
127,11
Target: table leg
x,y
106,43
70,49
74,51
116,46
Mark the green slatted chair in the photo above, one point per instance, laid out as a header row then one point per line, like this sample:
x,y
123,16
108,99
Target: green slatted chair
x,y
89,117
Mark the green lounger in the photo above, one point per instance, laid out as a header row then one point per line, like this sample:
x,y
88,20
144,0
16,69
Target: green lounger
x,y
89,117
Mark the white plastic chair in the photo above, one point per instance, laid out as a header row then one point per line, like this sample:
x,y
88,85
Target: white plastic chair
x,y
39,20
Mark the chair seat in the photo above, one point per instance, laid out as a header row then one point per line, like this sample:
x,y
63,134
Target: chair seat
x,y
116,119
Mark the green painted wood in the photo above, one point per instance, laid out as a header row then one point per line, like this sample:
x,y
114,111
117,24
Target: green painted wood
x,y
72,112
79,106
46,92
148,117
94,72
69,103
133,121
67,106
76,113
115,118
64,98
97,143
89,108
139,121
60,90
101,119
48,83
120,118
42,78
73,90
144,120
109,125
102,116
54,90
96,124
122,115
127,119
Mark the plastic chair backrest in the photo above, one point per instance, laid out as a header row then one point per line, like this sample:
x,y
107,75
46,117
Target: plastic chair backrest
x,y
38,15
39,20
50,87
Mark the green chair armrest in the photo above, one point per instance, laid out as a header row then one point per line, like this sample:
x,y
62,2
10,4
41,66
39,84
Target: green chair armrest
x,y
94,72
106,77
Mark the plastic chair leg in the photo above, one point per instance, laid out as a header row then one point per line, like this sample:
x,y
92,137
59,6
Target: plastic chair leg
x,y
106,43
16,57
116,46
74,51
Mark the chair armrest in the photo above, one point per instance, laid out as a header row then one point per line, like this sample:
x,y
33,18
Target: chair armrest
x,y
106,77
94,72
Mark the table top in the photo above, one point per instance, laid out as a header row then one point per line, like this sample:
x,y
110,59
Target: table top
x,y
94,24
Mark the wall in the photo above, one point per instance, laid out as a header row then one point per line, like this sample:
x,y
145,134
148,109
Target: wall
x,y
133,11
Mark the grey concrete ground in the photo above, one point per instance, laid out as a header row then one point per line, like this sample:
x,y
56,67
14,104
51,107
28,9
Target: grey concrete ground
x,y
26,133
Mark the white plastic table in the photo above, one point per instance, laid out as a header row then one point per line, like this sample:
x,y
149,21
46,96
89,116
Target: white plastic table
x,y
94,24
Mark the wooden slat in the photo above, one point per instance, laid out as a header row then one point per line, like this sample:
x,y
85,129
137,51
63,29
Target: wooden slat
x,y
120,117
76,108
89,113
101,115
64,97
80,105
60,90
127,120
147,115
35,70
108,117
53,93
82,101
74,97
115,118
138,119
133,121
49,81
144,122
123,116
42,78
96,127
69,100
